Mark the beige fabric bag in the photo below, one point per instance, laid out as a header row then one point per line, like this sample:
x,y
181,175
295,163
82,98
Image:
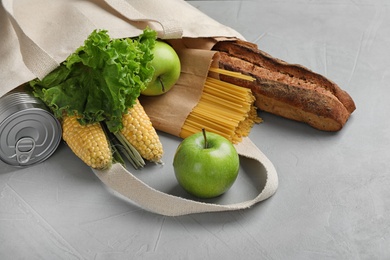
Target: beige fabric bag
x,y
33,45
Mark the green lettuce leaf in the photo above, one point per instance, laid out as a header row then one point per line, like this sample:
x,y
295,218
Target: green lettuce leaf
x,y
101,79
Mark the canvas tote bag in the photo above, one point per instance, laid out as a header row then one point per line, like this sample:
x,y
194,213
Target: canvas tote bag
x,y
37,35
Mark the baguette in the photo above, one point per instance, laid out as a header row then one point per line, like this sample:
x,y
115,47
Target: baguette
x,y
288,90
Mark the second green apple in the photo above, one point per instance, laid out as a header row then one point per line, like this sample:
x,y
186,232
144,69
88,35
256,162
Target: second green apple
x,y
206,164
166,64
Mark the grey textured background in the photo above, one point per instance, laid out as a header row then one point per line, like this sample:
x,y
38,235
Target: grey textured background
x,y
333,200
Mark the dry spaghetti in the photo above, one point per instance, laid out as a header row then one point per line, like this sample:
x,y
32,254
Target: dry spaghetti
x,y
231,73
223,108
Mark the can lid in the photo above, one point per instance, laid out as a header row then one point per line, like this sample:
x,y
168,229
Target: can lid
x,y
28,136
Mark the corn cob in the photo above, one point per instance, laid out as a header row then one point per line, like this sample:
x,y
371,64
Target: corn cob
x,y
140,133
88,142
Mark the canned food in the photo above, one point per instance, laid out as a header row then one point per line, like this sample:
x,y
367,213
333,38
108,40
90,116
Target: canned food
x,y
29,133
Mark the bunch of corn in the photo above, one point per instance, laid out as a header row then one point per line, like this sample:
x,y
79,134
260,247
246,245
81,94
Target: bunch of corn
x,y
138,138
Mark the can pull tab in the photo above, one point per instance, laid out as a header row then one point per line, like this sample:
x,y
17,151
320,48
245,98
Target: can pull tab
x,y
24,149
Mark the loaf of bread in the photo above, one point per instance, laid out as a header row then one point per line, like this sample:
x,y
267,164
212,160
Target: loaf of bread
x,y
288,90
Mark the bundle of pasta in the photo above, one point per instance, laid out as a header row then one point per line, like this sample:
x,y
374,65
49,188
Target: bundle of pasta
x,y
223,108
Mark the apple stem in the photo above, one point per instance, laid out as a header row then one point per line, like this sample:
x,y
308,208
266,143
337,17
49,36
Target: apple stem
x,y
205,138
162,84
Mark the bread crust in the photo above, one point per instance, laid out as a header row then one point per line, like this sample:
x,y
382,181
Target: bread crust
x,y
284,89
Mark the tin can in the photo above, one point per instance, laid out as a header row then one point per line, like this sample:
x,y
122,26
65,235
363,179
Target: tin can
x,y
29,133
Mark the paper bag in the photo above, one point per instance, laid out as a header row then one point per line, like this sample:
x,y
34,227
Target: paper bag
x,y
33,45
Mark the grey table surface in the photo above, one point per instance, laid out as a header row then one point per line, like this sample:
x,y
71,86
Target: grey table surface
x,y
333,200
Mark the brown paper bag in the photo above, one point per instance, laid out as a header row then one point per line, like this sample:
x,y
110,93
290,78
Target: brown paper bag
x,y
35,45
169,111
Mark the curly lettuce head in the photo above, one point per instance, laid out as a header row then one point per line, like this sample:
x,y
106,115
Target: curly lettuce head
x,y
101,79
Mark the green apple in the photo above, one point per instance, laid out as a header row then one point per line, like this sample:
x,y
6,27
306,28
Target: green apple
x,y
206,164
166,64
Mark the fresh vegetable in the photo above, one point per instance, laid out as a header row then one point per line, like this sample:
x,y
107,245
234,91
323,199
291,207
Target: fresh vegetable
x,y
88,142
139,132
101,79
100,82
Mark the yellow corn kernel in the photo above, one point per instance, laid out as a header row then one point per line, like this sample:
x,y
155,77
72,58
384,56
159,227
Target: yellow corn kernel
x,y
88,142
140,133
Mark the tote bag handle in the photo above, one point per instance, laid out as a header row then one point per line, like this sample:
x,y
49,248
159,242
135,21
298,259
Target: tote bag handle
x,y
120,180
